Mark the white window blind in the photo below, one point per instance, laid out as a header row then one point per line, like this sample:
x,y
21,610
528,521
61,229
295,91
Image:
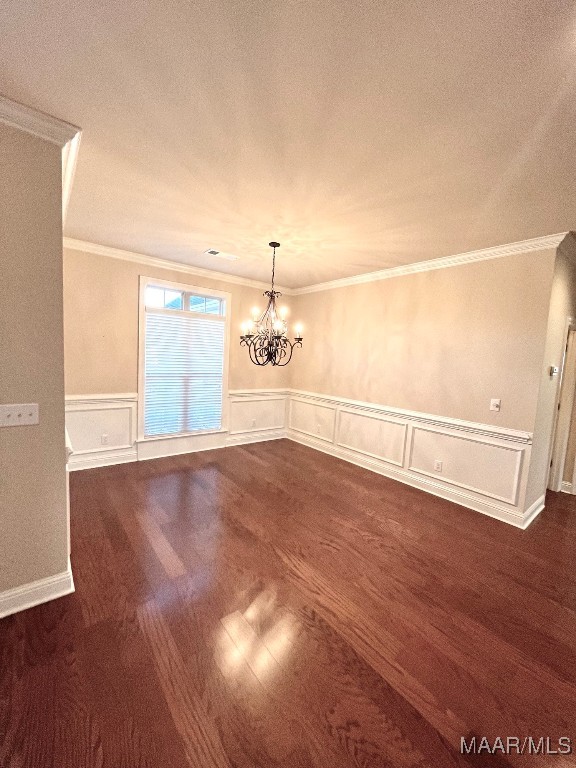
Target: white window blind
x,y
183,368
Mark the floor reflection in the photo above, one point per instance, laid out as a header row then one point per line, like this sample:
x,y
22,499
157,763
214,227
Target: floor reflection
x,y
261,636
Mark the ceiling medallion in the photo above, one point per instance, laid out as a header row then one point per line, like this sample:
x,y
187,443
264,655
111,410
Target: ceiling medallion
x,y
265,335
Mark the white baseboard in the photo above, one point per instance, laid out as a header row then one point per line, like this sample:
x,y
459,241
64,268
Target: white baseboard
x,y
37,592
101,459
533,511
482,467
410,478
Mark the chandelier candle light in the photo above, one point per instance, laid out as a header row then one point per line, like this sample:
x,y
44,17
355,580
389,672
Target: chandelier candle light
x,y
265,335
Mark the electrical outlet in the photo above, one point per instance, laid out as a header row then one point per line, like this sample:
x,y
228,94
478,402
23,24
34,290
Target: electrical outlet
x,y
318,428
253,422
104,439
495,404
437,466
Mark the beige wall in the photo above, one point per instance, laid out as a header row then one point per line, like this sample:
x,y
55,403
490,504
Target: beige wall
x,y
101,325
442,342
562,306
33,518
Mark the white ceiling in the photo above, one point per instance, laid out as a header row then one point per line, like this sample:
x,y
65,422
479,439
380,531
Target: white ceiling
x,y
361,135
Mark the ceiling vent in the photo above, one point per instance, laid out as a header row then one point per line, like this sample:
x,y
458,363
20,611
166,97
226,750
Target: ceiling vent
x,y
221,254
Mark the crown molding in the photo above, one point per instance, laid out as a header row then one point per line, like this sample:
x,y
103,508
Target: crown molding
x,y
523,246
37,123
175,266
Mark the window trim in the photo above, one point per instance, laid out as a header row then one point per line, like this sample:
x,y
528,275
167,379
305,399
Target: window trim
x,y
201,291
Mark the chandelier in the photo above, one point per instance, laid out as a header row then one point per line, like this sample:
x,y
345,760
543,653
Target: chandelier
x,y
265,335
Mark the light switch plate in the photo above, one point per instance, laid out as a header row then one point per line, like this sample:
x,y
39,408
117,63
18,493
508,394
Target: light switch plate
x,y
495,404
19,415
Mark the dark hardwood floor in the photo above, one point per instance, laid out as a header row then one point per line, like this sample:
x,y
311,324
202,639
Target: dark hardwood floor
x,y
269,605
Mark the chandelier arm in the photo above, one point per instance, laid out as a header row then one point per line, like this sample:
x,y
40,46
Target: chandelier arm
x,y
286,353
253,352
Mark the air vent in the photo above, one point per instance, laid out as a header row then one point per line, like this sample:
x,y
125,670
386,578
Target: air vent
x,y
221,254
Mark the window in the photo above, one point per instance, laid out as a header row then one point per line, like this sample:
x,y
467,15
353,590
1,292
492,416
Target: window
x,y
184,351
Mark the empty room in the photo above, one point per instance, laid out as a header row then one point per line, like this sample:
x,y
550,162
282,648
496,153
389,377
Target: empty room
x,y
287,384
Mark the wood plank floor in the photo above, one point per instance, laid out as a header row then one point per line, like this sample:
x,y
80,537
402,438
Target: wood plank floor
x,y
269,605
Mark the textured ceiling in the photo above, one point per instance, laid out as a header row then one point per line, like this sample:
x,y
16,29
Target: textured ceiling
x,y
361,135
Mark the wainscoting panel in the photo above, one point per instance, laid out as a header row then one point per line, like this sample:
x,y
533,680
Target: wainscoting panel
x,y
257,413
371,435
484,467
102,429
313,418
474,464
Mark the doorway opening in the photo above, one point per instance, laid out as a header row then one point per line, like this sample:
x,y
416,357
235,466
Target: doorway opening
x,y
563,460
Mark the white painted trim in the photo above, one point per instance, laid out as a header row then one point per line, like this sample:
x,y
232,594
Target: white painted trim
x,y
496,252
256,397
482,500
566,487
533,511
234,432
487,430
564,396
423,483
254,436
380,411
35,122
68,445
37,592
152,448
499,251
180,435
159,263
104,458
69,161
376,417
517,471
328,407
251,392
71,399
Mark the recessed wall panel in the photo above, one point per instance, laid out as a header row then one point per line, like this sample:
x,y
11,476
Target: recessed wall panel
x,y
254,415
485,467
371,435
313,419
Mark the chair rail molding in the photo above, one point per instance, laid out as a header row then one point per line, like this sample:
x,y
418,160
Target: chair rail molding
x,y
459,259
